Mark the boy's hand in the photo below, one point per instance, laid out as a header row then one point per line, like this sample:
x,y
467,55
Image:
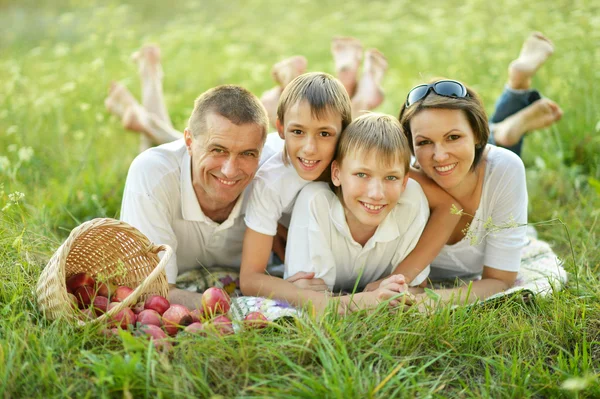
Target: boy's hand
x,y
372,286
307,281
390,287
394,278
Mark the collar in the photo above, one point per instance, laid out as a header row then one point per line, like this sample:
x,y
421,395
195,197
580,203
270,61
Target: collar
x,y
190,207
387,231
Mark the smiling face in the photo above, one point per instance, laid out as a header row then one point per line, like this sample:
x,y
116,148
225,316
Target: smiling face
x,y
444,146
310,143
224,161
370,188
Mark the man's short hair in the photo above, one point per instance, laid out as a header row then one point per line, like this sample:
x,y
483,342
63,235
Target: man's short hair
x,y
233,102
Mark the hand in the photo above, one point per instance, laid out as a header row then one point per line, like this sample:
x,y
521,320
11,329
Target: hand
x,y
372,286
307,281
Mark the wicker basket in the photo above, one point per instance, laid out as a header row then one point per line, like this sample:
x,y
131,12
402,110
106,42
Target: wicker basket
x,y
109,248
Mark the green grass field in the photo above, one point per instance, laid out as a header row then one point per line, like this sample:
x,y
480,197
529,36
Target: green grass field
x,y
69,158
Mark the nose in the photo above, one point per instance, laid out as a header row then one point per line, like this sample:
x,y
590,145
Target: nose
x,y
310,145
375,189
440,154
229,168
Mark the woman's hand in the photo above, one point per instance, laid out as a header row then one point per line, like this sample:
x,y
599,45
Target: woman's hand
x,y
307,281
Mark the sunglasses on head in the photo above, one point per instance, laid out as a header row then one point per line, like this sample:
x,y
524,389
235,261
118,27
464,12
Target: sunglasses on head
x,y
444,88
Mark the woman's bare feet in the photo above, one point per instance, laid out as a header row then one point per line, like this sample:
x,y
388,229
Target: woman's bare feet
x,y
119,99
347,54
540,114
270,99
148,60
135,118
287,70
535,51
370,93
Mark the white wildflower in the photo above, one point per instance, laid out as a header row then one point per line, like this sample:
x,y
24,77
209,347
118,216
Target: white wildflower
x,y
25,154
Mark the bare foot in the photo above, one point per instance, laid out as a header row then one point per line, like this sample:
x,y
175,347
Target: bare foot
x,y
347,53
135,118
369,93
287,70
119,99
535,51
270,100
148,60
542,113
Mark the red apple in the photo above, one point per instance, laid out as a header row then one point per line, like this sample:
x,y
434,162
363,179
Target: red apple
x,y
138,307
215,301
123,318
85,295
103,289
222,325
158,303
121,293
110,332
79,279
149,316
100,305
174,317
156,335
88,314
255,320
196,328
197,315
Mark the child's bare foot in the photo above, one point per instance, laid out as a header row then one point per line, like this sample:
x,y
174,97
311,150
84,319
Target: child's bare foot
x,y
287,70
148,60
270,99
119,99
535,51
347,53
542,113
135,118
369,93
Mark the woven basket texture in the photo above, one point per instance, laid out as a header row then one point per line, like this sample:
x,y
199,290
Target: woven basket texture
x,y
111,251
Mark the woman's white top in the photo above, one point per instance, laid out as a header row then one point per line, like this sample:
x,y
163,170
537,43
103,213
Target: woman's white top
x,y
319,239
493,238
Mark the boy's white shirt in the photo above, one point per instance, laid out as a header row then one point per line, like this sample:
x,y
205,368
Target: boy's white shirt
x,y
319,239
275,188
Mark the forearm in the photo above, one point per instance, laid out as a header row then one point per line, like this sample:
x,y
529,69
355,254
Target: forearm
x,y
191,300
260,284
466,294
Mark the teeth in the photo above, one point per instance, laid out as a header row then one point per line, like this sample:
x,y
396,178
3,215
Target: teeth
x,y
227,182
445,168
308,162
372,207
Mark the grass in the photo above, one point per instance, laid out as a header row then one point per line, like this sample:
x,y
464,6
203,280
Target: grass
x,y
69,158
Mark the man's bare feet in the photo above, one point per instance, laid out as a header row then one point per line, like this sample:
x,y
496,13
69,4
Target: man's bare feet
x,y
542,113
370,93
119,99
347,54
270,99
535,51
148,60
287,70
135,118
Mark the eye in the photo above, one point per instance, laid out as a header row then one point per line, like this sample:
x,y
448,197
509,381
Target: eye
x,y
391,178
423,142
296,131
325,134
453,137
361,175
217,151
249,154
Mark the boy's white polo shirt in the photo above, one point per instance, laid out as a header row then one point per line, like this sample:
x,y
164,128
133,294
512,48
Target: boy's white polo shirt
x,y
275,188
160,201
319,239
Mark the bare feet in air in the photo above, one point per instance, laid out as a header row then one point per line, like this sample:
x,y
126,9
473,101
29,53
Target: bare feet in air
x,y
135,118
370,93
283,73
347,54
540,114
119,99
535,51
148,60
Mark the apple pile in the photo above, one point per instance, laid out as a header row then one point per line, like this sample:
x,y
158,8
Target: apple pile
x,y
155,318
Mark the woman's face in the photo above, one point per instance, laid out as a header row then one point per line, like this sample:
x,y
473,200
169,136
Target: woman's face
x,y
444,145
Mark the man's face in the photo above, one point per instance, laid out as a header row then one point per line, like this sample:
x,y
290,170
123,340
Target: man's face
x,y
224,161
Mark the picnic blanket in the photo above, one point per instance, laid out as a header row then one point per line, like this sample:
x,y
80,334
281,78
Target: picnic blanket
x,y
541,273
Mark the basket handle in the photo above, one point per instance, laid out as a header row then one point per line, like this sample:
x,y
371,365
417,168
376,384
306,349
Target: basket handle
x,y
133,297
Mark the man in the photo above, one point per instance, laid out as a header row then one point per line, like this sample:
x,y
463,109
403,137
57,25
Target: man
x,y
190,194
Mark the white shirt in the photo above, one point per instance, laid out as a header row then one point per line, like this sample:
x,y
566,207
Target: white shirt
x,y
503,203
319,239
274,191
160,201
